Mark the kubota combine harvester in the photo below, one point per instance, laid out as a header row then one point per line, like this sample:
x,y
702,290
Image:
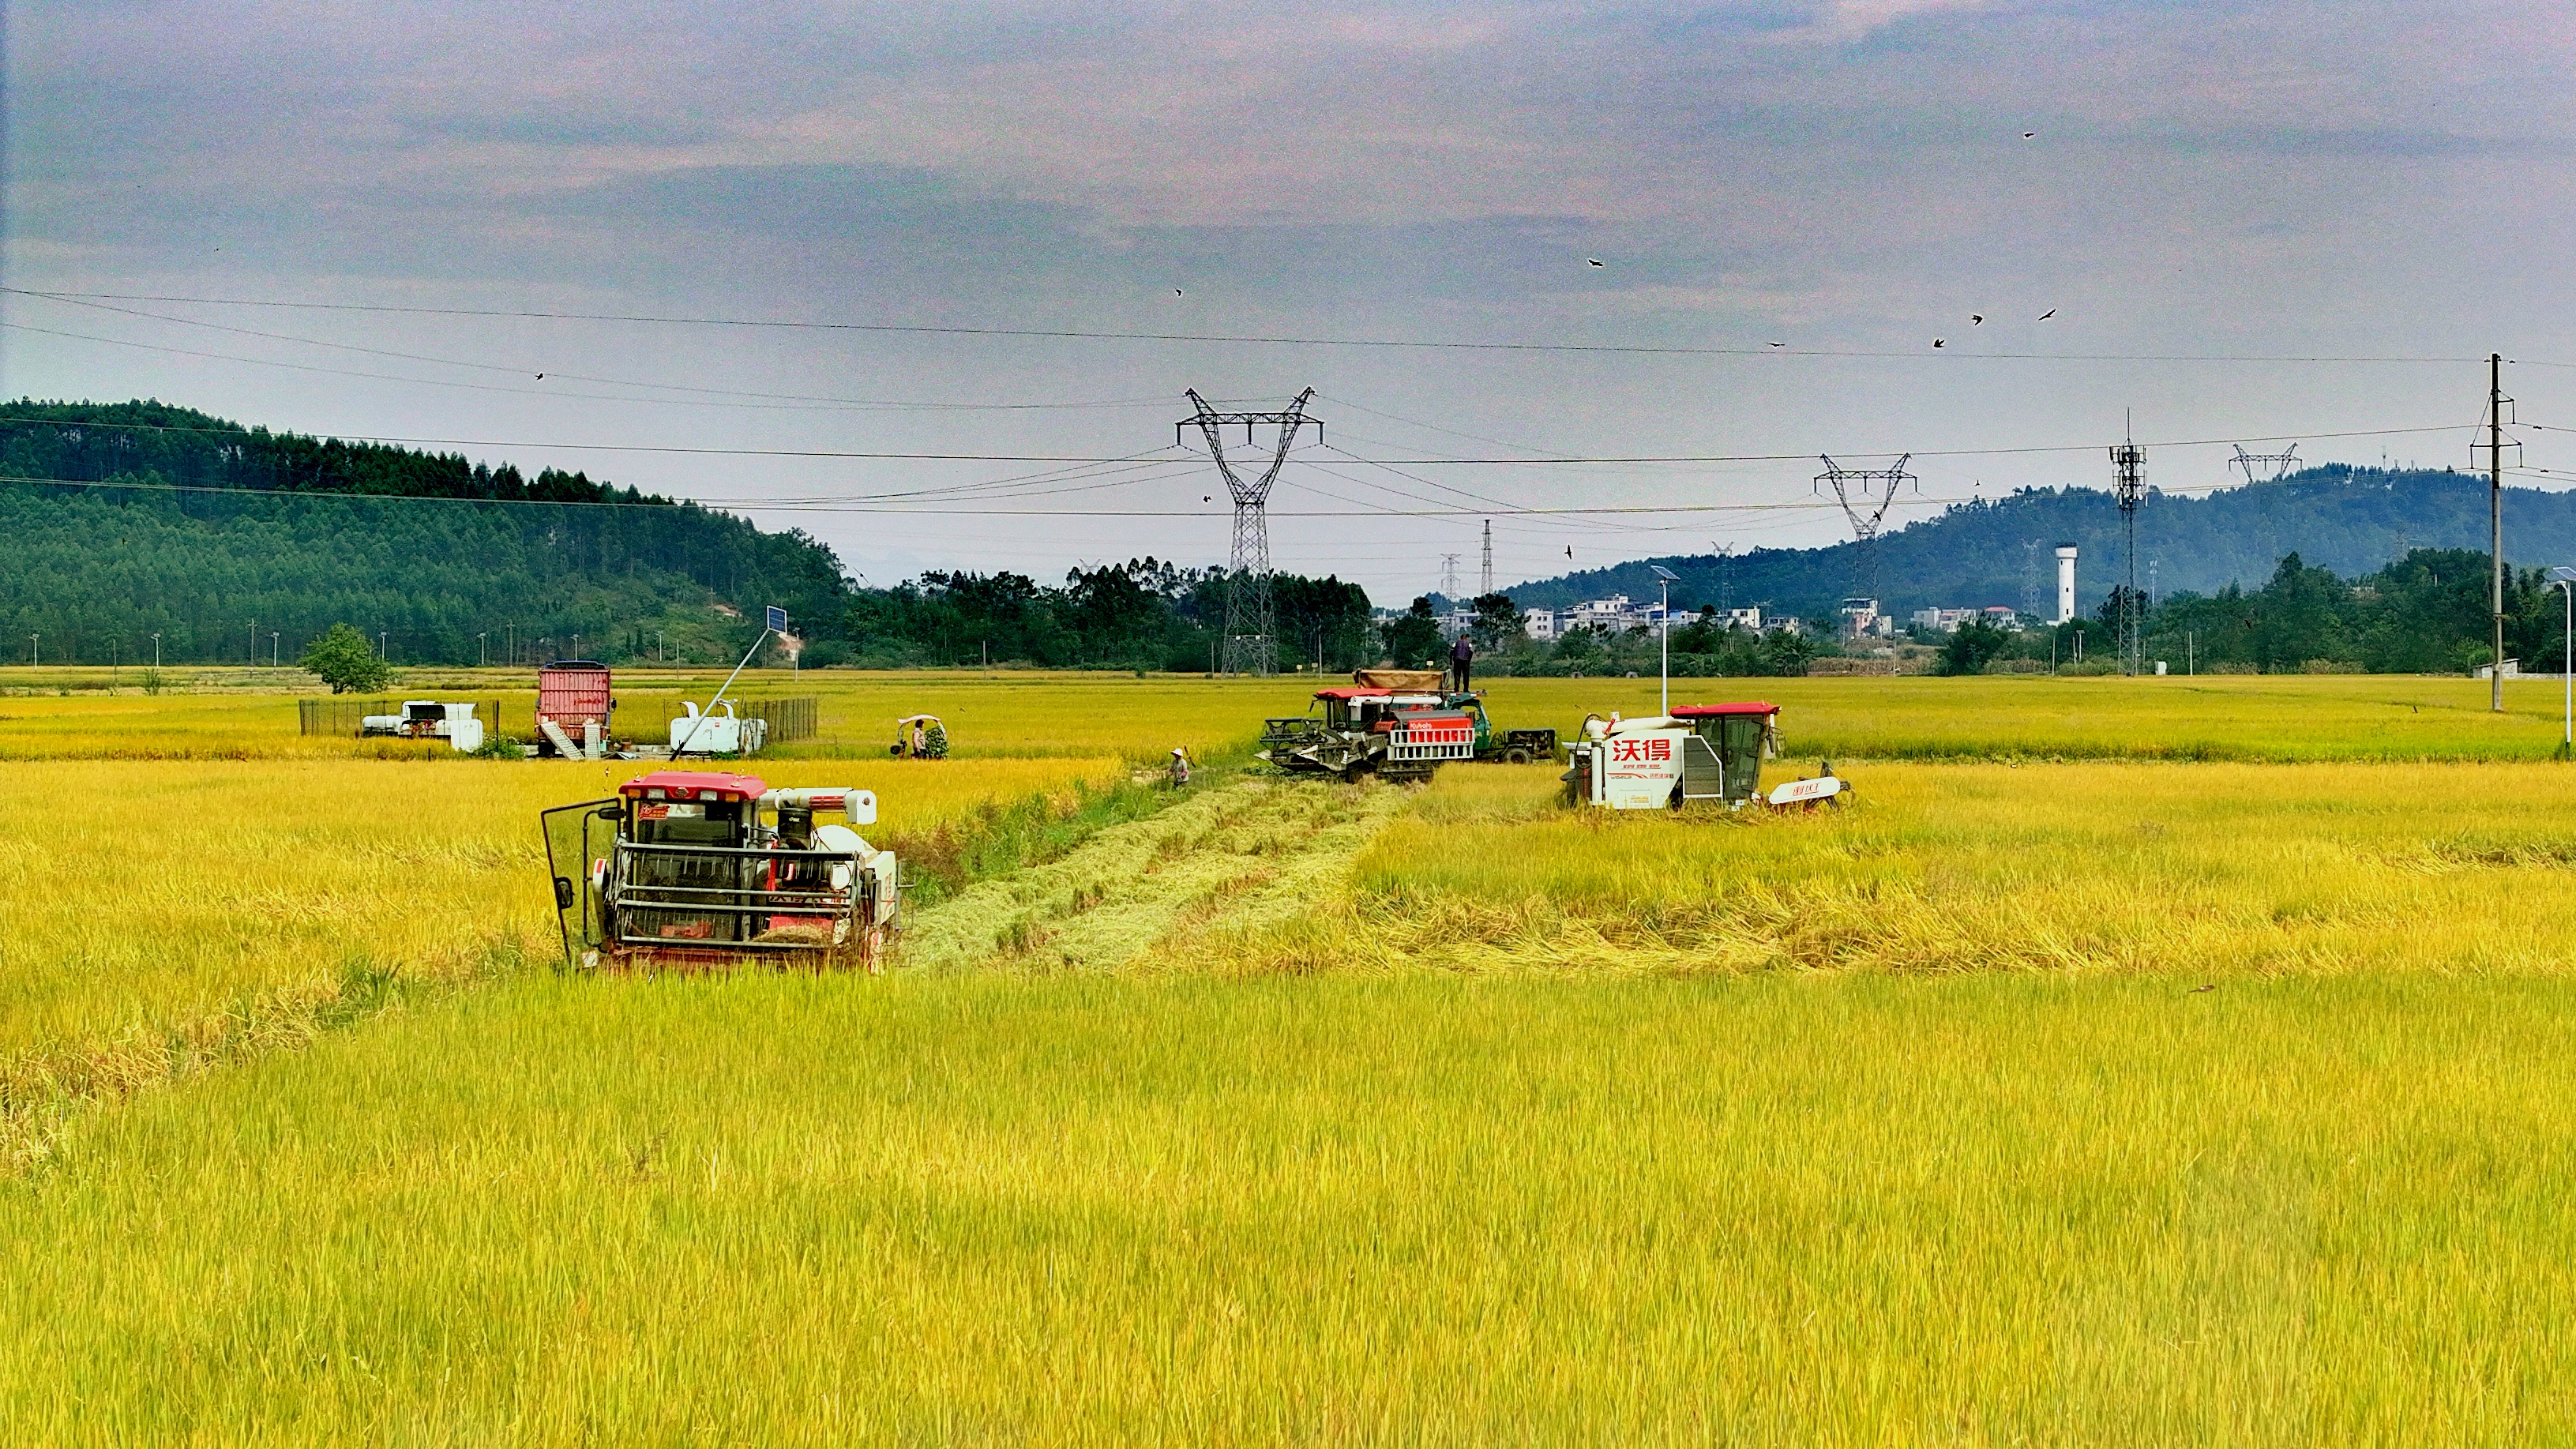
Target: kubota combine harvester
x,y
687,869
1399,724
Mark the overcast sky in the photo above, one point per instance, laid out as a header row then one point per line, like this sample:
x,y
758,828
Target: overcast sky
x,y
2206,181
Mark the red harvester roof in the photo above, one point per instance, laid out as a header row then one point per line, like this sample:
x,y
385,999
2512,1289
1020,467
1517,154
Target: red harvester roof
x,y
672,782
1713,711
1352,691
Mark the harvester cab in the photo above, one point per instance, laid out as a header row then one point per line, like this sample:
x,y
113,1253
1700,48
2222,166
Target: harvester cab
x,y
687,869
1699,752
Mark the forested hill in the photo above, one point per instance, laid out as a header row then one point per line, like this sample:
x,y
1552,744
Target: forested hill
x,y
128,519
2350,520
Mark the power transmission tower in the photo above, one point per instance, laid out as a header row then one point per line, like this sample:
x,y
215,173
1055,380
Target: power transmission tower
x,y
1251,625
1488,576
1449,578
2131,462
2495,447
2281,464
1865,494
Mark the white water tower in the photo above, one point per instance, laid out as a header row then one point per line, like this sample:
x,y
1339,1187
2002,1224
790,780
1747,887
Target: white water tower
x,y
2065,584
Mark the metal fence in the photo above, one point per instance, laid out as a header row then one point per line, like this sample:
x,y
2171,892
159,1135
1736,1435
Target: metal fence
x,y
339,715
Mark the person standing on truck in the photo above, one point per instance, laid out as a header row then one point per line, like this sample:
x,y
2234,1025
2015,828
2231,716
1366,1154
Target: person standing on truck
x,y
1462,661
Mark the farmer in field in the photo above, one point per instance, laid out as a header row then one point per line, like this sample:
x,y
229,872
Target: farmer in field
x,y
1462,660
1180,768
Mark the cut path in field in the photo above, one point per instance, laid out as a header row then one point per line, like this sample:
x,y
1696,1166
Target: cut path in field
x,y
1237,857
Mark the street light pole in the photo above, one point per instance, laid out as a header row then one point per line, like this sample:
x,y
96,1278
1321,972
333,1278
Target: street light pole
x,y
2565,580
1664,626
156,651
272,648
479,651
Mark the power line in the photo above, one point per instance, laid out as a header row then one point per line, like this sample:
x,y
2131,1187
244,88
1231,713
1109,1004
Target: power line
x,y
1387,463
1106,335
804,401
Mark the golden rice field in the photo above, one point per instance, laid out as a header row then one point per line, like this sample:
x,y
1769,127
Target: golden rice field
x,y
2138,1062
2006,1208
244,714
153,913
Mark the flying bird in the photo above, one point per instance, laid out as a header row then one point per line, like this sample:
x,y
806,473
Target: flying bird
x,y
1940,342
1596,261
1176,291
1207,498
2051,312
1779,344
2028,135
1569,550
1976,319
541,377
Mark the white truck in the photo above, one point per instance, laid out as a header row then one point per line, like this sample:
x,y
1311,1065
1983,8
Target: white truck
x,y
716,734
427,719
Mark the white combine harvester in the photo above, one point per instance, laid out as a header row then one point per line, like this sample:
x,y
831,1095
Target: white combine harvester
x,y
1699,752
427,719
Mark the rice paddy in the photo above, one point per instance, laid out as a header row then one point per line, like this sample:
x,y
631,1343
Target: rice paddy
x,y
2141,1061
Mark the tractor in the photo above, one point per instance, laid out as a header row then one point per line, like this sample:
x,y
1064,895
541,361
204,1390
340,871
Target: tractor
x,y
1397,724
692,870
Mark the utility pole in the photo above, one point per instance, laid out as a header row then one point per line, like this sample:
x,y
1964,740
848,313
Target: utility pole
x,y
482,655
272,648
252,659
2495,523
1251,624
2151,582
1487,577
2131,461
156,651
2497,402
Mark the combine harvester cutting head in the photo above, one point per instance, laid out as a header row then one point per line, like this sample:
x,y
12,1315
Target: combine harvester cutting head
x,y
692,870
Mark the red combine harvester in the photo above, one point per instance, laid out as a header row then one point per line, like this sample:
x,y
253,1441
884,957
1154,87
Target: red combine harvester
x,y
688,869
574,706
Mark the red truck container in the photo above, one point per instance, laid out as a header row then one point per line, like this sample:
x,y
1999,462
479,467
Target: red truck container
x,y
573,693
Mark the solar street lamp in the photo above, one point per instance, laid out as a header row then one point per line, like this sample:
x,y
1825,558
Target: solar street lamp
x,y
1664,578
2565,580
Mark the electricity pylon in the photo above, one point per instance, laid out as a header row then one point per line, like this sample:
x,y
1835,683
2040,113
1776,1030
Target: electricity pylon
x,y
1251,625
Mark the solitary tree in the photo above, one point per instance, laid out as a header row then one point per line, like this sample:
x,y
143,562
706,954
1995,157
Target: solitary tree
x,y
1413,638
346,662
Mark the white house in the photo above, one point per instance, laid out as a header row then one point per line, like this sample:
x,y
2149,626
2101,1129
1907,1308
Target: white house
x,y
1539,624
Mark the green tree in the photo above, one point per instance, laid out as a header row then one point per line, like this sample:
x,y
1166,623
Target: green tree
x,y
1972,645
1498,621
346,662
1413,639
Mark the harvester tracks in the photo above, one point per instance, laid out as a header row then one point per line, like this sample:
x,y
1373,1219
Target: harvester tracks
x,y
1234,858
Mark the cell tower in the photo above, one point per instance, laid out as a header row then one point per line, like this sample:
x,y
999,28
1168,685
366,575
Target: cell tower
x,y
1487,577
1865,494
2130,461
1251,625
2281,464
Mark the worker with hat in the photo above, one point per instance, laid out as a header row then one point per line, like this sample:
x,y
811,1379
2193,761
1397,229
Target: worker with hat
x,y
1180,768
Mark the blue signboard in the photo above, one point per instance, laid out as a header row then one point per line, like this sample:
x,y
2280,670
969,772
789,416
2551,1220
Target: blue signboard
x,y
777,620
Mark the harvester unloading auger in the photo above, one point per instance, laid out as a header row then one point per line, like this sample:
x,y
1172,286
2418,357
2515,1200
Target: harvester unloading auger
x,y
686,869
1398,724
